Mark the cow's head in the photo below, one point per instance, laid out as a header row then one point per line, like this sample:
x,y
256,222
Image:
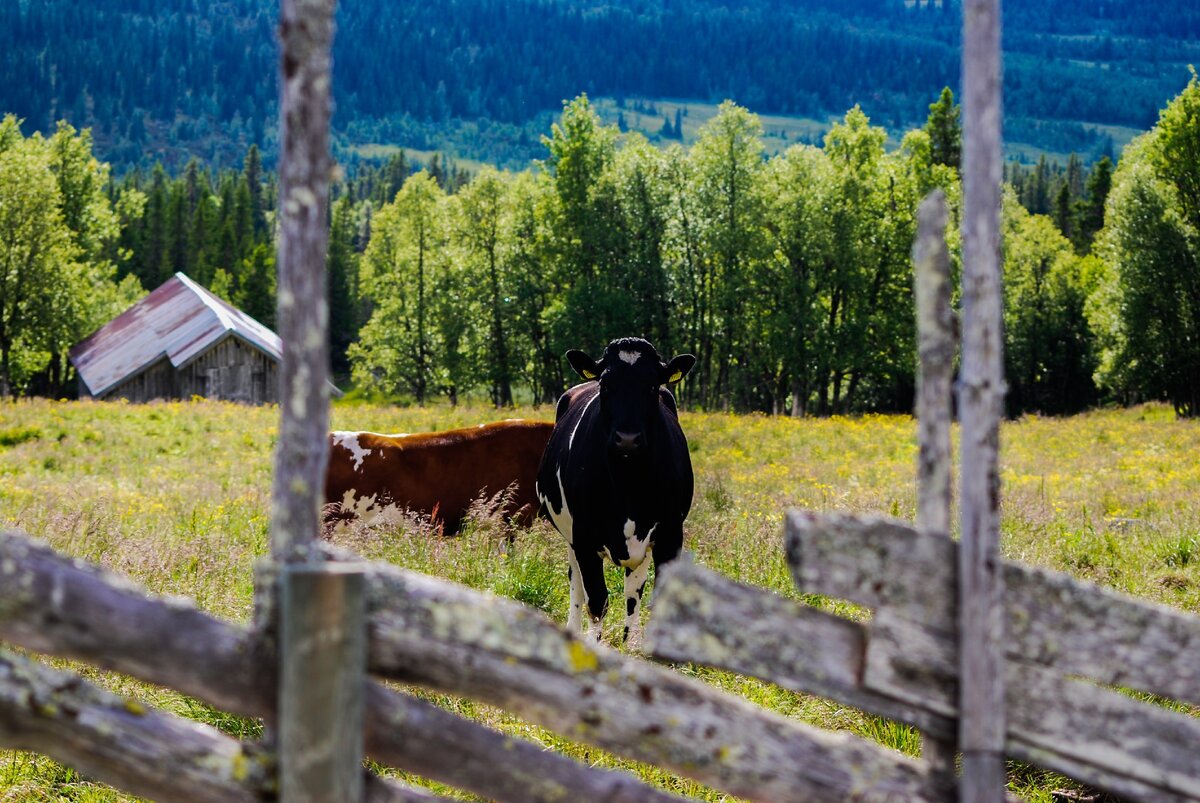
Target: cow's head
x,y
630,375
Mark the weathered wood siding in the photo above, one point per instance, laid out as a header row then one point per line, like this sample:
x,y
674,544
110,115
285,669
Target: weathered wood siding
x,y
233,371
230,370
156,382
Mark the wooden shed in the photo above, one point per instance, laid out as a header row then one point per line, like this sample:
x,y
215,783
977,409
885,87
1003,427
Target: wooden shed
x,y
178,342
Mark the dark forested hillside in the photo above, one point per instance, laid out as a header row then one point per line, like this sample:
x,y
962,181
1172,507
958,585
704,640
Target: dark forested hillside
x,y
156,77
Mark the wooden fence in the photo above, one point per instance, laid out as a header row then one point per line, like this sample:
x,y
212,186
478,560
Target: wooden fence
x,y
1064,638
986,658
1067,640
423,631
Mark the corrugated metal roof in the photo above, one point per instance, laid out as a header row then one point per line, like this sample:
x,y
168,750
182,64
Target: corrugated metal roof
x,y
179,321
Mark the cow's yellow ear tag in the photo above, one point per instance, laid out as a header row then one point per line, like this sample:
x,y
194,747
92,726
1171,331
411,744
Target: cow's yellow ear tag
x,y
675,377
589,375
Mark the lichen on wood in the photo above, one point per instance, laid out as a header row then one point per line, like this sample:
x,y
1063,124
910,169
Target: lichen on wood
x,y
108,621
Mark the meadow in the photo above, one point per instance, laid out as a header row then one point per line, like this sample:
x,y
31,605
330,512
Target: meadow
x,y
175,496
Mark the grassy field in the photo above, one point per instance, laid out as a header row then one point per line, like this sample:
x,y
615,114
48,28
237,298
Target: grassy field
x,y
175,495
377,152
779,131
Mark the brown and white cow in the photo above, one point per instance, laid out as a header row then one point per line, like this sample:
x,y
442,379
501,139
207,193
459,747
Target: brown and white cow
x,y
375,477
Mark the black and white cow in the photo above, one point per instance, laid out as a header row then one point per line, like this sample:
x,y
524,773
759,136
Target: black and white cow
x,y
616,478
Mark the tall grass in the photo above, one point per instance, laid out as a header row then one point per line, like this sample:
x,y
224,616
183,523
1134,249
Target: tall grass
x,y
175,495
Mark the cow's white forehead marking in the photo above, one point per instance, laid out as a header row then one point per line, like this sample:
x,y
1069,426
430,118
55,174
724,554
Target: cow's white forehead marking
x,y
630,357
349,442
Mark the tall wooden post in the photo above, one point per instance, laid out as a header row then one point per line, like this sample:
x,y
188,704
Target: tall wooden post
x,y
306,34
321,621
935,371
981,398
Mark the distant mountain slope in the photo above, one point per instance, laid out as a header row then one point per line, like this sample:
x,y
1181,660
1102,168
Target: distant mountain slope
x,y
200,74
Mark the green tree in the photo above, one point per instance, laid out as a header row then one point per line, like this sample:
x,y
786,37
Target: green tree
x,y
342,273
1064,211
1089,211
256,289
455,309
944,128
151,265
252,177
581,151
60,244
402,266
1036,197
727,162
527,248
688,272
800,188
856,270
90,295
636,185
202,238
1151,244
35,244
480,233
1049,350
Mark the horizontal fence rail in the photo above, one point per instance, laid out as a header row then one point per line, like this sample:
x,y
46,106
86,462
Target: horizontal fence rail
x,y
118,741
71,609
902,664
452,639
1053,619
140,749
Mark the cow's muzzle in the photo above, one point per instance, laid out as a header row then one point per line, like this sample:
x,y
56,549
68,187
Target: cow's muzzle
x,y
627,443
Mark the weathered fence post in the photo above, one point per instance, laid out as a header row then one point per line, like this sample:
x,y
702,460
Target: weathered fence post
x,y
935,371
322,641
322,665
981,397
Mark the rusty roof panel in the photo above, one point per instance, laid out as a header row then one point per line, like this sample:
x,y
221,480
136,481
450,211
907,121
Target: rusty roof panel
x,y
179,320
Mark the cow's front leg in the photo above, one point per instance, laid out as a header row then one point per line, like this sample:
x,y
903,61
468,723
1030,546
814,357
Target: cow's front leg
x,y
635,585
575,616
595,592
668,543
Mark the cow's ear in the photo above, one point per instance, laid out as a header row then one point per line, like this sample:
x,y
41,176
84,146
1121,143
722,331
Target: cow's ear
x,y
584,365
678,368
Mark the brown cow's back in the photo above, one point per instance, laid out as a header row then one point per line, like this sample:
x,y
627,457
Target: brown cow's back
x,y
375,476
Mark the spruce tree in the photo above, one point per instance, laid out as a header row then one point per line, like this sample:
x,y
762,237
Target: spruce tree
x,y
342,273
1091,210
252,175
945,130
1063,216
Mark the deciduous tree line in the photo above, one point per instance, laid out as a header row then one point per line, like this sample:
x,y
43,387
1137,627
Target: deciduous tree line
x,y
789,277
59,249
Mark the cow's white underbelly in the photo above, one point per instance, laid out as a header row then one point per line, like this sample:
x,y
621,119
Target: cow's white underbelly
x,y
563,522
368,511
636,548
